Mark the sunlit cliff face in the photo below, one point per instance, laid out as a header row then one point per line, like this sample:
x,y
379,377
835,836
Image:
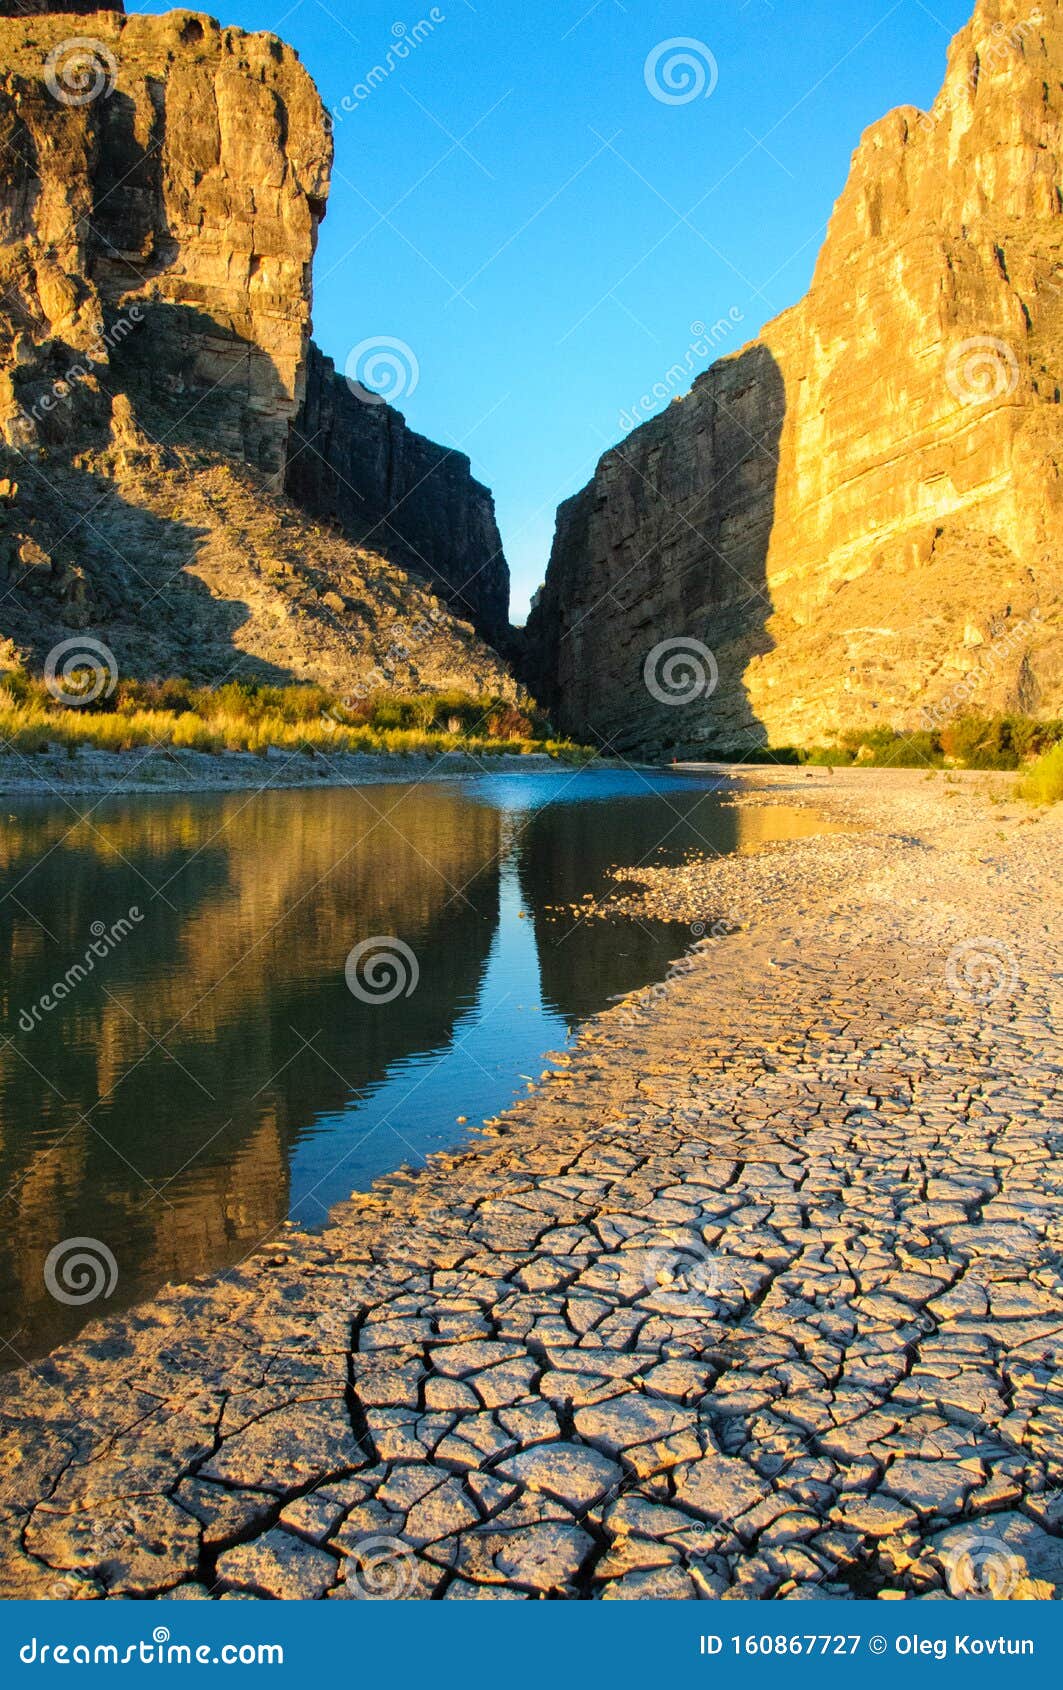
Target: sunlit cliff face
x,y
847,511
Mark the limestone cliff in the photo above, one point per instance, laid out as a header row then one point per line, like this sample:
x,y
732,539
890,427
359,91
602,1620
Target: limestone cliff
x,y
161,187
358,465
79,8
855,518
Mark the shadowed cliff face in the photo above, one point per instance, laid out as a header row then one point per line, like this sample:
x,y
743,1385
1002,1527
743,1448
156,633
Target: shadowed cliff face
x,y
35,8
661,562
355,463
167,163
911,565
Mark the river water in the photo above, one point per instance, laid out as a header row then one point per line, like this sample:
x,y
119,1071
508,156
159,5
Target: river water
x,y
208,1072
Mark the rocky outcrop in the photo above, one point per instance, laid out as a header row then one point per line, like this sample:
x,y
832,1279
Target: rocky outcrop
x,y
162,180
158,225
34,8
855,519
354,462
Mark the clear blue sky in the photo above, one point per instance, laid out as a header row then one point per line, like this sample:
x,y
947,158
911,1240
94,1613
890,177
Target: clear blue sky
x,y
514,205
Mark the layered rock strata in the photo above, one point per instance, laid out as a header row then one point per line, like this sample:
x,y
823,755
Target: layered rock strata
x,y
857,516
158,214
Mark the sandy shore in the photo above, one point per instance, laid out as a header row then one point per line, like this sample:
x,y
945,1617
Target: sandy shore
x,y
54,775
759,1293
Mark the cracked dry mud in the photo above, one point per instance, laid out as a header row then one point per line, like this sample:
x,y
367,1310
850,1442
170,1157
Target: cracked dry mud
x,y
758,1294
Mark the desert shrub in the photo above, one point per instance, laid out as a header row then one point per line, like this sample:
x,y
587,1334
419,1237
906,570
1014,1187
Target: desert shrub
x,y
249,716
998,742
1042,783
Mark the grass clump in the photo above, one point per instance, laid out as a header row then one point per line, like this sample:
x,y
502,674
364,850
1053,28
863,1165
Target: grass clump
x,y
1042,782
248,716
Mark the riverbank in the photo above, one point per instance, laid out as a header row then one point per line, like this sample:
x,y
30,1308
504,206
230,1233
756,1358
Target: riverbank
x,y
759,1293
120,773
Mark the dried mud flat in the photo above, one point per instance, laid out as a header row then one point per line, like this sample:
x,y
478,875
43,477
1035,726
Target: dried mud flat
x,y
759,1294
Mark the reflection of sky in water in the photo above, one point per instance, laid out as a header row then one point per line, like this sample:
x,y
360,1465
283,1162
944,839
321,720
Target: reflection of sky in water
x,y
512,793
497,1042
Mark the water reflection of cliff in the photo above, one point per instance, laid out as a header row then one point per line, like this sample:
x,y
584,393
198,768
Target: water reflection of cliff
x,y
156,1107
558,843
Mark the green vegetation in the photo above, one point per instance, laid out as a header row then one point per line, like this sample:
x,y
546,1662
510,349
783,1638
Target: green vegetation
x,y
1043,781
246,716
970,742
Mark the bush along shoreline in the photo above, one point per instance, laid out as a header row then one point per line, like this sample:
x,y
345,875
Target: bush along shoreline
x,y
1007,743
251,717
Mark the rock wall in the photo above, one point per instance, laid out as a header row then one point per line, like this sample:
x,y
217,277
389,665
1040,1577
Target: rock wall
x,y
158,214
355,463
855,520
161,188
34,8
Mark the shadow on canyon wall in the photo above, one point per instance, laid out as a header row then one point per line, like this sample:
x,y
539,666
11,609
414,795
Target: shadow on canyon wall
x,y
657,599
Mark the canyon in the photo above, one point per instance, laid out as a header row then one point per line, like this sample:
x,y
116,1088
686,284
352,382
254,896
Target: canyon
x,y
854,520
181,472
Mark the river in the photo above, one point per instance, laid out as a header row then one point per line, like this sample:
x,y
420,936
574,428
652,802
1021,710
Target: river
x,y
188,1057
